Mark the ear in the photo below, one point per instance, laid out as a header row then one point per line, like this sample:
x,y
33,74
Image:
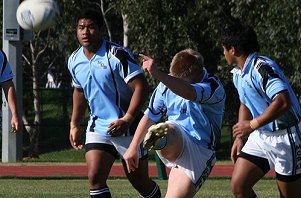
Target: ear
x,y
232,51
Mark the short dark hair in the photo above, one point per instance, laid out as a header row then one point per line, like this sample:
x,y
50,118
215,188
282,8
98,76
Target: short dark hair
x,y
242,37
92,14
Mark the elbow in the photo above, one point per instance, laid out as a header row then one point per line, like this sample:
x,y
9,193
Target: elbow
x,y
286,105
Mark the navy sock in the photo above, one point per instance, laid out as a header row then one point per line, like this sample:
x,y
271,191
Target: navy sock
x,y
155,193
100,193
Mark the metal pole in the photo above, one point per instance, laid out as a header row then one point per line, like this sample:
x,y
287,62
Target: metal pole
x,y
13,35
12,142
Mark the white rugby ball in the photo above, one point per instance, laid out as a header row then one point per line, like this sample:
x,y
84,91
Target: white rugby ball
x,y
37,15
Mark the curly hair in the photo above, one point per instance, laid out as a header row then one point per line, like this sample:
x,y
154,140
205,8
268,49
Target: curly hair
x,y
242,37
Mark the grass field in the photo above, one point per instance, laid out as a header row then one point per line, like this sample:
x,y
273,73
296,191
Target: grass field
x,y
214,187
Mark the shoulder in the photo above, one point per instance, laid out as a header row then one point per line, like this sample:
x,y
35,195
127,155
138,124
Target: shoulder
x,y
119,52
213,81
265,67
2,54
3,57
75,54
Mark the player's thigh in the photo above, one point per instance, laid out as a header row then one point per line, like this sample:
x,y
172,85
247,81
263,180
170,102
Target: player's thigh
x,y
179,185
175,141
245,174
99,164
290,189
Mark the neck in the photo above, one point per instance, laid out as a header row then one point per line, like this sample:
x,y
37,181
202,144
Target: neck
x,y
91,50
240,62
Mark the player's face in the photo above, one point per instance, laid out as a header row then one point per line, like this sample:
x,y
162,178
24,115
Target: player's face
x,y
229,55
88,34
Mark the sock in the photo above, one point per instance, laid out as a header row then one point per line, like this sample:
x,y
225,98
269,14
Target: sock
x,y
100,193
155,193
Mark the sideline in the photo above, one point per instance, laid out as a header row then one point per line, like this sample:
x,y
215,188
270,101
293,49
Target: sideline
x,y
80,169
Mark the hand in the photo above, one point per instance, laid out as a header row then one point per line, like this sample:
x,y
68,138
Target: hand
x,y
236,148
118,127
15,124
148,64
242,129
75,137
131,158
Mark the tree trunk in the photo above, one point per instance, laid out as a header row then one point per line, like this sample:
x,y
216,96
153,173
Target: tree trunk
x,y
125,30
33,130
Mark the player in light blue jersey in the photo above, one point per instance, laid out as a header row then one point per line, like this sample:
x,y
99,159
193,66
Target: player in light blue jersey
x,y
6,81
108,79
269,116
193,102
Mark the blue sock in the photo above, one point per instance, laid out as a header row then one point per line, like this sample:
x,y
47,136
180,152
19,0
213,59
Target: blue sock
x,y
100,193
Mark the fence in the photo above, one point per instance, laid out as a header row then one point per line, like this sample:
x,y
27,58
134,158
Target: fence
x,y
56,106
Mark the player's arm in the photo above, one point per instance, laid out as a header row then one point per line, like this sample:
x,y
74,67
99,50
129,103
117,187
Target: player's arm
x,y
244,114
140,89
78,113
179,86
131,156
279,106
10,95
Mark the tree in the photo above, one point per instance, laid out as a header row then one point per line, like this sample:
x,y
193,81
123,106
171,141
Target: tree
x,y
38,47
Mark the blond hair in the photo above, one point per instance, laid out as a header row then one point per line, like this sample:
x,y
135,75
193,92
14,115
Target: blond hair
x,y
187,63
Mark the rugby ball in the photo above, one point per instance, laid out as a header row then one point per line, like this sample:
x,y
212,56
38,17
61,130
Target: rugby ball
x,y
37,15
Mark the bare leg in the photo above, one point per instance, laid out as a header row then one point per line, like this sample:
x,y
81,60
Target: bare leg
x,y
244,177
140,179
289,189
174,144
99,164
179,185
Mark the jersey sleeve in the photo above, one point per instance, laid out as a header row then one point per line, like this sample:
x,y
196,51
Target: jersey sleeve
x,y
75,83
210,91
126,64
156,107
6,72
269,79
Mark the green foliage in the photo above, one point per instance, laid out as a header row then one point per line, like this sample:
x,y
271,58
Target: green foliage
x,y
277,24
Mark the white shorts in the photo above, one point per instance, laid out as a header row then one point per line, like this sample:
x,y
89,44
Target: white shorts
x,y
114,145
195,160
282,149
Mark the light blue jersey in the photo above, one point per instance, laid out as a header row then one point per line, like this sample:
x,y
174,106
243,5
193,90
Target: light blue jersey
x,y
6,72
258,84
104,80
201,119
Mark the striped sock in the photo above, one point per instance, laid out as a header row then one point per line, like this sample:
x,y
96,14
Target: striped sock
x,y
155,193
100,193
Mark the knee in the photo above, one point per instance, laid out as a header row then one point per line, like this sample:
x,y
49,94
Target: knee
x,y
236,187
95,179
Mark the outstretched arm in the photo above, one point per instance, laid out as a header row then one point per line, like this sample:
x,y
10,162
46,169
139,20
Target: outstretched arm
x,y
131,156
181,87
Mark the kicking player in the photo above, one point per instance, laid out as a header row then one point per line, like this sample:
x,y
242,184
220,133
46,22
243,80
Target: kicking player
x,y
107,77
269,116
193,102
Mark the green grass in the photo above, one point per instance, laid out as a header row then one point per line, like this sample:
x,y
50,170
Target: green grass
x,y
214,187
67,155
